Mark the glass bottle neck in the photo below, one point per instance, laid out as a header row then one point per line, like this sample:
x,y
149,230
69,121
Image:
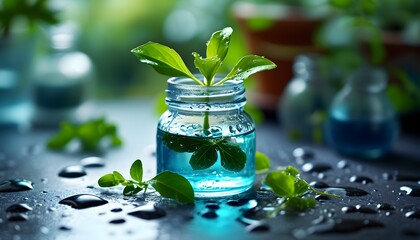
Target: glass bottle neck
x,y
185,94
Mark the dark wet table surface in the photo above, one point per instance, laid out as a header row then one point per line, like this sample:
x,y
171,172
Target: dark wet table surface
x,y
379,199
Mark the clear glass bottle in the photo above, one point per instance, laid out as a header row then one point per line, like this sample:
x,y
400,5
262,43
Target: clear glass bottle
x,y
362,121
62,81
206,136
304,104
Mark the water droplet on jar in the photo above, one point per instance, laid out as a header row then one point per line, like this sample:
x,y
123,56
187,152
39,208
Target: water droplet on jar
x,y
216,131
316,167
19,207
15,185
148,212
360,179
81,201
92,162
232,129
74,171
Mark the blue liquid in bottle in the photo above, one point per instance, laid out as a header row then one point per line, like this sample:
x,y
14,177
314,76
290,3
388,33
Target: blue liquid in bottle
x,y
362,121
365,138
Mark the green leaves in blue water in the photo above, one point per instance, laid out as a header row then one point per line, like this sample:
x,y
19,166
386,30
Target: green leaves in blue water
x,y
168,184
294,190
90,135
205,151
167,61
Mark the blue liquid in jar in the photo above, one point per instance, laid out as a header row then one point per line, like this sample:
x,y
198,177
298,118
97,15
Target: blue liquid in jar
x,y
215,181
364,137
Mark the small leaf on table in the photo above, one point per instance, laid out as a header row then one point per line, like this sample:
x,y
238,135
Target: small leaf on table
x,y
262,162
136,171
107,181
172,185
281,183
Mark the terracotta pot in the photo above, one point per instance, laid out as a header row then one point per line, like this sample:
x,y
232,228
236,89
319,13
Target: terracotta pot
x,y
289,34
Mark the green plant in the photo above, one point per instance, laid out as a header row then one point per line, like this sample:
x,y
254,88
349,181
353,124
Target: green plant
x,y
288,184
168,184
32,11
90,134
168,62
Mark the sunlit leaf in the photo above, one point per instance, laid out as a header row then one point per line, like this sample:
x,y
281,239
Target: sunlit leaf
x,y
218,45
164,60
136,171
281,183
247,66
262,162
172,185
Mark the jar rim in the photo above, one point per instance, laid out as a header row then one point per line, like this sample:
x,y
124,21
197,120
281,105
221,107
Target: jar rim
x,y
186,81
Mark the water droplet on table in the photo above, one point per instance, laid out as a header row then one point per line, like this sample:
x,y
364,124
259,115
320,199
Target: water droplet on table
x,y
64,228
343,226
116,210
18,217
303,153
413,214
412,191
258,227
348,191
209,215
74,171
15,185
237,203
342,164
316,167
19,207
81,201
148,212
360,179
117,221
213,206
318,184
92,162
385,206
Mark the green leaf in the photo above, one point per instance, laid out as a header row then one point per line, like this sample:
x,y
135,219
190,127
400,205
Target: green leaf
x,y
107,181
291,171
207,66
300,204
218,45
62,138
180,143
281,183
262,162
136,171
231,156
118,177
247,66
301,187
174,186
204,157
164,60
131,189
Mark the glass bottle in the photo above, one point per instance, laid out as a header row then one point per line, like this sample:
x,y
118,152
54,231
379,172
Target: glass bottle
x,y
62,81
206,136
362,121
304,104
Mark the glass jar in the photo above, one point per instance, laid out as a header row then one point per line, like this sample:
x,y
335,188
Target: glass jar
x,y
206,136
62,81
304,105
362,121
